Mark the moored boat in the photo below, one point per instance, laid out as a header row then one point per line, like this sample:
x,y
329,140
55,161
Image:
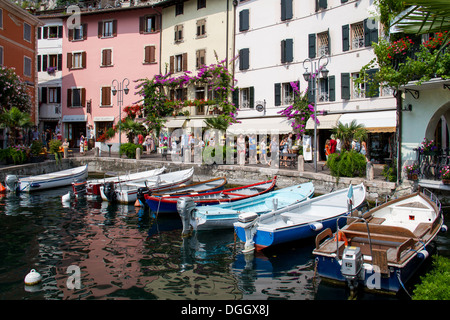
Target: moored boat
x,y
93,186
383,248
225,214
46,181
169,204
299,221
126,192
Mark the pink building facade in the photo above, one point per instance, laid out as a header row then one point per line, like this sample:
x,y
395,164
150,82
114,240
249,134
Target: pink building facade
x,y
107,45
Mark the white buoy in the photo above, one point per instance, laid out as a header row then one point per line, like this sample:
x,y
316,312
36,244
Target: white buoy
x,y
33,278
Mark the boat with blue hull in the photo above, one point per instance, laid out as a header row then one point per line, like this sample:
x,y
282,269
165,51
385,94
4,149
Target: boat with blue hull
x,y
169,204
383,248
299,221
223,215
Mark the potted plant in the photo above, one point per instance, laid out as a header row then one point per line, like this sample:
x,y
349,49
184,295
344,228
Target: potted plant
x,y
35,151
412,171
55,148
445,175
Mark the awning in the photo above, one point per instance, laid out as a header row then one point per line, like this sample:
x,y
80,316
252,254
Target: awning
x,y
197,123
104,119
175,123
75,118
381,121
328,121
263,125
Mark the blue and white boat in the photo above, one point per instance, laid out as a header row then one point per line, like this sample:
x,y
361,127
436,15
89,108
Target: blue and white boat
x,y
223,215
383,248
299,221
46,181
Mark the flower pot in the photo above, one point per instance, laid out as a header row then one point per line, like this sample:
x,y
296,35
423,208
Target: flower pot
x,y
446,181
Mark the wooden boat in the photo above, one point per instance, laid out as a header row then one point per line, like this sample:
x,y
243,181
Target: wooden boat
x,y
93,186
225,214
299,221
383,248
126,192
169,203
210,185
46,181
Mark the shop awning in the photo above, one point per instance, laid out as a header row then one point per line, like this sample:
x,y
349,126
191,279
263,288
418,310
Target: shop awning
x,y
380,121
263,125
196,123
175,123
75,118
104,119
328,121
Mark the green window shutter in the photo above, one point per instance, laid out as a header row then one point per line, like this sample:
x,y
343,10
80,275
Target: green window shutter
x,y
323,4
244,20
236,97
244,59
312,45
252,97
369,78
286,9
345,37
287,51
345,86
277,94
311,91
331,88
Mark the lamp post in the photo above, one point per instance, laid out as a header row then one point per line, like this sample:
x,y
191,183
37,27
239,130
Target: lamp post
x,y
308,76
122,87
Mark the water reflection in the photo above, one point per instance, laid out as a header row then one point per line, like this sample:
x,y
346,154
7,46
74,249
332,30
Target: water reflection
x,y
124,252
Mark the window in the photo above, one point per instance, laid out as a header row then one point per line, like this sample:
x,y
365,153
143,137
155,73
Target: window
x,y
358,89
106,97
201,28
178,63
179,7
321,4
149,54
78,33
54,94
102,126
178,94
76,60
76,97
26,32
284,93
246,97
178,33
287,48
286,10
201,4
1,18
244,20
27,66
200,93
107,29
323,95
148,24
51,32
200,58
1,56
106,58
323,43
359,35
244,57
49,63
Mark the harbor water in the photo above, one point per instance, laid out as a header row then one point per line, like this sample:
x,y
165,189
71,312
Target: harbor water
x,y
92,250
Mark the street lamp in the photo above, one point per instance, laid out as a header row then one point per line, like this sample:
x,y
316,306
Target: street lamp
x,y
121,89
308,76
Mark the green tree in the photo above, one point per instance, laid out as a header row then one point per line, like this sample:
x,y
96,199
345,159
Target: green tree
x,y
14,119
132,128
13,91
347,132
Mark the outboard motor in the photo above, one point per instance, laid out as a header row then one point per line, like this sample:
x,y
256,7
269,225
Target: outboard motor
x,y
352,265
12,183
140,196
110,191
248,221
79,187
185,207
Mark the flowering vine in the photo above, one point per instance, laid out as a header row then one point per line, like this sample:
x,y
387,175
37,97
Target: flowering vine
x,y
13,91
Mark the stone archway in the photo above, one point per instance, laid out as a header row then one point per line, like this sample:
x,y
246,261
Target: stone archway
x,y
440,117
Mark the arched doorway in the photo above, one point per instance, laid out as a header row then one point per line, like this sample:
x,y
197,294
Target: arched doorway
x,y
438,127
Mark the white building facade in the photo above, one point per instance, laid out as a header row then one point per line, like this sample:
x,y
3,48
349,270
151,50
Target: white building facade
x,y
274,38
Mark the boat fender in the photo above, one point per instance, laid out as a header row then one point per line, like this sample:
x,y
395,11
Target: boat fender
x,y
67,197
423,254
33,278
340,236
444,228
2,188
316,226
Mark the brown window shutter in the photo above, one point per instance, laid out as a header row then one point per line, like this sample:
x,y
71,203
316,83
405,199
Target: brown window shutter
x,y
114,28
185,62
152,54
85,27
141,24
83,59
109,57
108,95
83,97
70,34
69,98
147,54
69,60
157,23
172,63
100,29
